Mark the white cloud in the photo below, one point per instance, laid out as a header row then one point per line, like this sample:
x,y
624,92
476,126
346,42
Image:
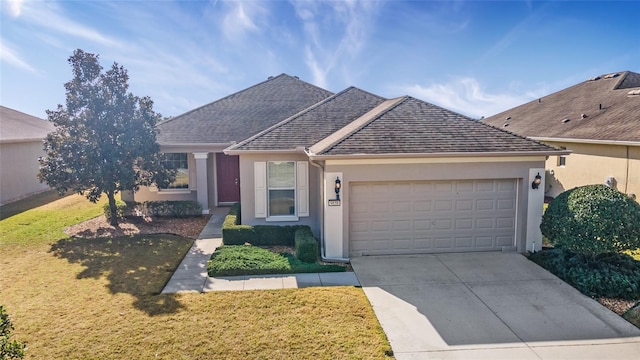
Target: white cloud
x,y
51,17
335,33
11,57
15,7
466,95
241,19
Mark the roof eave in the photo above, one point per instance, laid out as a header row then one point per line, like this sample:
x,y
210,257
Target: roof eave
x,y
299,149
441,155
586,141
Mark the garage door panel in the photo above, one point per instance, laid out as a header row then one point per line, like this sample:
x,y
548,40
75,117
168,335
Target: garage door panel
x,y
505,223
485,185
464,186
504,240
506,204
401,225
485,204
463,224
422,206
484,242
401,206
462,205
443,187
436,216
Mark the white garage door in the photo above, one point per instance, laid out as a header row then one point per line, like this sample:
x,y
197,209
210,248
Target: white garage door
x,y
431,216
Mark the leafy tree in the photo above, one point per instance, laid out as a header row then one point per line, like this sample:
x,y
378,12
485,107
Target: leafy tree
x,y
593,219
9,349
104,140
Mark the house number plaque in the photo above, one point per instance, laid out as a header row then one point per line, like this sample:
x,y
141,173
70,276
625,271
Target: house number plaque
x,y
334,202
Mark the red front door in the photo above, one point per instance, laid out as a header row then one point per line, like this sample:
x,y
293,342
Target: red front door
x,y
228,177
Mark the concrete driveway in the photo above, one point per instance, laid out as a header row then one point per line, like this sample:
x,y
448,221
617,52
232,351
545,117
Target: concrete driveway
x,y
488,305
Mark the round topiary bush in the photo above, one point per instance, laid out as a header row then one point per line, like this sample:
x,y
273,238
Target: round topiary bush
x,y
592,220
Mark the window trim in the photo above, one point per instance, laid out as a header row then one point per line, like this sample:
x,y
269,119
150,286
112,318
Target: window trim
x,y
183,190
287,217
562,159
301,192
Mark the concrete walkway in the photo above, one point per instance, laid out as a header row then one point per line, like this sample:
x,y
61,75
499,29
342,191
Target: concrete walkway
x,y
488,306
191,274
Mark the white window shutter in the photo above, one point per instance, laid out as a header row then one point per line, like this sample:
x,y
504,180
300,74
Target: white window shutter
x,y
193,172
260,186
302,188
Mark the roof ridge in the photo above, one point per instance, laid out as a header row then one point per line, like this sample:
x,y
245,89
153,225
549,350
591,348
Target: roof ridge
x,y
270,78
290,118
356,125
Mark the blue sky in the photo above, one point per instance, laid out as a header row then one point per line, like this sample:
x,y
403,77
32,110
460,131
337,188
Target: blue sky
x,y
474,57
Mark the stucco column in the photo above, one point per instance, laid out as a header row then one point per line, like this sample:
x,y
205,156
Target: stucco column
x,y
535,203
333,218
202,181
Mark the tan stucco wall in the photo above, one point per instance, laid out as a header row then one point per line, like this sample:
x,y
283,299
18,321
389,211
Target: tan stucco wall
x,y
247,191
592,164
18,170
440,171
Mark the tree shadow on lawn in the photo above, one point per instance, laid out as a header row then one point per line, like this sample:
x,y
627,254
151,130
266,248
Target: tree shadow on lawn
x,y
136,265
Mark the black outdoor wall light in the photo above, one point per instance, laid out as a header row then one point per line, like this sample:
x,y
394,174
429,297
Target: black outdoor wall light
x,y
337,187
536,181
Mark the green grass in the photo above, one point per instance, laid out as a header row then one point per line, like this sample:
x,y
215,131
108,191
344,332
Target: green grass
x,y
30,202
75,298
45,224
231,260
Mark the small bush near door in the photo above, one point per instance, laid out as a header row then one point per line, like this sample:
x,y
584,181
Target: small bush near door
x,y
259,235
306,246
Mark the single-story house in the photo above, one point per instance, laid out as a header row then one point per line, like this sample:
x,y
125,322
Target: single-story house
x,y
598,120
369,175
21,137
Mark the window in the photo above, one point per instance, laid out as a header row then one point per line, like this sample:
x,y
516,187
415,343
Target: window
x,y
282,188
562,159
178,161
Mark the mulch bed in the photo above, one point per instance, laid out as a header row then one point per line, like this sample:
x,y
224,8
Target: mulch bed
x,y
99,227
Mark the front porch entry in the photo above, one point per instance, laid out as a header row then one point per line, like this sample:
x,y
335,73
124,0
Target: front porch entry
x,y
228,178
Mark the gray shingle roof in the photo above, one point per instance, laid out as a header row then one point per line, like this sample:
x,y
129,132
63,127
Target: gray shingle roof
x,y
412,126
243,114
617,120
17,126
315,123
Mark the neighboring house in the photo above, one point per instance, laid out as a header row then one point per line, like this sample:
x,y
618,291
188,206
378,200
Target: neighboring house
x,y
412,177
598,120
21,137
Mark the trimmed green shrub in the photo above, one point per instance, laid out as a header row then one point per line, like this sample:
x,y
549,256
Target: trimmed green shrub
x,y
605,275
259,235
592,220
230,260
121,210
178,209
306,245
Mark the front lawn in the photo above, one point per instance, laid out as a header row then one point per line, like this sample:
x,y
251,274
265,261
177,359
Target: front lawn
x,y
229,260
73,298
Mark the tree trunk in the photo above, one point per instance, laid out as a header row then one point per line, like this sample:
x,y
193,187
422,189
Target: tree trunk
x,y
112,208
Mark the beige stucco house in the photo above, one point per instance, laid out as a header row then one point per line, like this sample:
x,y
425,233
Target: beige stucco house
x,y
598,120
21,137
369,175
